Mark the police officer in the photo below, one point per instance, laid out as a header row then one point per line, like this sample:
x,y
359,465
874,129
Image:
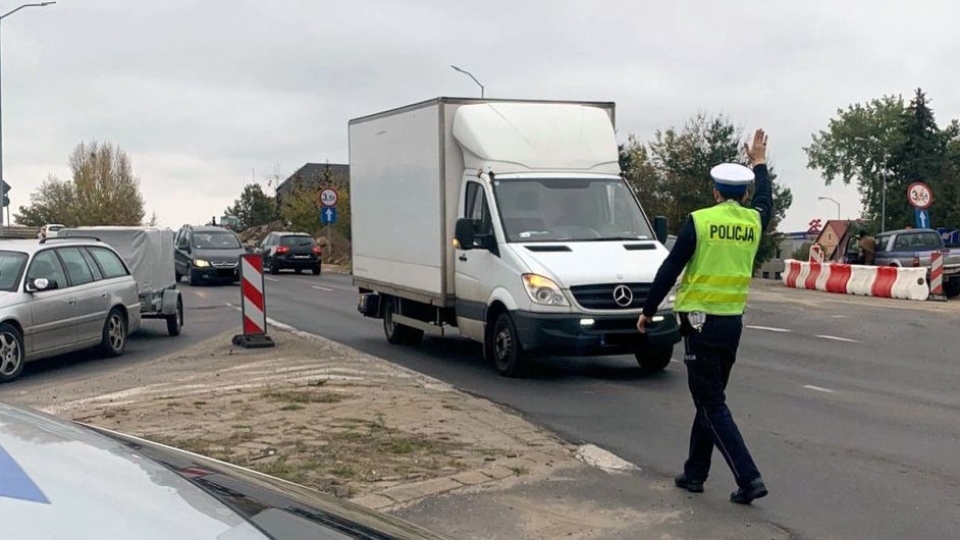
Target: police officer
x,y
717,245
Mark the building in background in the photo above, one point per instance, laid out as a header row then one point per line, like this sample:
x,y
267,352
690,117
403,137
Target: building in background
x,y
313,177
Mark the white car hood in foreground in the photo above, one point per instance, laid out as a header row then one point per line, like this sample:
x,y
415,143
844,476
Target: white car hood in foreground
x,y
61,481
591,263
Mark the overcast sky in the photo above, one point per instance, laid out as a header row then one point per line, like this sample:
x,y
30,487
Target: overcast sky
x,y
206,95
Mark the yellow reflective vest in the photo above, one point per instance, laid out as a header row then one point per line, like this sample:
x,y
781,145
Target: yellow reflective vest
x,y
717,278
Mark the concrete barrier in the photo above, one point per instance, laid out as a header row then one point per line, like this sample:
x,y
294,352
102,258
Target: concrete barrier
x,y
878,281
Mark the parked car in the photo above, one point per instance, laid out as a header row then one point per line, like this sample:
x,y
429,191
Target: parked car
x,y
49,230
63,479
290,250
62,295
207,254
914,247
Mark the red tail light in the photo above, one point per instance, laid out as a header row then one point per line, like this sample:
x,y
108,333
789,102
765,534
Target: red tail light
x,y
316,250
282,249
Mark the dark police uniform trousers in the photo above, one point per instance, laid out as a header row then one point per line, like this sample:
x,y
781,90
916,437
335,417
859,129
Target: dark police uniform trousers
x,y
710,353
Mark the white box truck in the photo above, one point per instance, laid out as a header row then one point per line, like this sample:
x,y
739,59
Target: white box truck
x,y
508,220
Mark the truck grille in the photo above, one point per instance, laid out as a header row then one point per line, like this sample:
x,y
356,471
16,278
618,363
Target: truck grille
x,y
611,295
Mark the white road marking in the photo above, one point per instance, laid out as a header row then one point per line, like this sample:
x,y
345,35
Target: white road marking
x,y
270,279
319,288
767,328
838,316
835,338
818,389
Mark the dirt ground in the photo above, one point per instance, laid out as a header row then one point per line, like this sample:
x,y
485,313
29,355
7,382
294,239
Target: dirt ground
x,y
316,413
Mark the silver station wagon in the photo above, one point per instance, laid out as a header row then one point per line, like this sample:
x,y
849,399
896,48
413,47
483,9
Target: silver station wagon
x,y
62,295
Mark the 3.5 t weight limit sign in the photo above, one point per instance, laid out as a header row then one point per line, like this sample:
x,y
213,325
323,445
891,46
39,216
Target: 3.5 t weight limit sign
x,y
919,195
328,197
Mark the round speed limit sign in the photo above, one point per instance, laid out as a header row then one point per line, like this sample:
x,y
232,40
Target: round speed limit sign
x,y
919,195
328,197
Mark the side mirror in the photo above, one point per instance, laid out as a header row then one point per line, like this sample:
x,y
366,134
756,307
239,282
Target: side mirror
x,y
660,228
41,284
464,233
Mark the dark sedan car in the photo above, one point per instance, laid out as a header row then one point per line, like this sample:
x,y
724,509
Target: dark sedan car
x,y
208,254
291,250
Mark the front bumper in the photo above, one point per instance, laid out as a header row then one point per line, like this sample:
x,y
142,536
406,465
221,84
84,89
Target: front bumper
x,y
569,335
213,273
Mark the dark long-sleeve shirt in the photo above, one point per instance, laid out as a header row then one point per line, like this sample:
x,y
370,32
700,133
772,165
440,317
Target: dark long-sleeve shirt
x,y
686,243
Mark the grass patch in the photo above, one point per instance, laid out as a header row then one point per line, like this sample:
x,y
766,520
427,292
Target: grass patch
x,y
199,403
292,407
302,396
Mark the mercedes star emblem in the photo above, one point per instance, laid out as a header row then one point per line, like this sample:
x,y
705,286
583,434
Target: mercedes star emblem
x,y
622,295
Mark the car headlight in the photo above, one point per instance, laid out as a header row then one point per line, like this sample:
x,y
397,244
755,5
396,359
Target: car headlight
x,y
200,263
544,291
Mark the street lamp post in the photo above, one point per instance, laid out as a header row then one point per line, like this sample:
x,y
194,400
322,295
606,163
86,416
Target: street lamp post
x,y
467,73
2,17
834,202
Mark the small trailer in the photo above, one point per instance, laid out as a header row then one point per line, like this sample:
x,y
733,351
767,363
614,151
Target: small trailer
x,y
148,252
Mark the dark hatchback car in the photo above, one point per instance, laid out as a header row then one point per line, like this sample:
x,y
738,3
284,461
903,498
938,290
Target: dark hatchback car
x,y
207,254
291,250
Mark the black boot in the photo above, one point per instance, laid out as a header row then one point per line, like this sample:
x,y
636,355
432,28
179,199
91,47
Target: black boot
x,y
689,484
756,489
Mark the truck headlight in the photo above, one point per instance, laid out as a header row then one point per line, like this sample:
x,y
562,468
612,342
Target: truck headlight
x,y
544,291
670,299
200,263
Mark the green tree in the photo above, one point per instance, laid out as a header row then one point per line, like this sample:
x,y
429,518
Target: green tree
x,y
887,140
299,207
103,191
671,174
254,207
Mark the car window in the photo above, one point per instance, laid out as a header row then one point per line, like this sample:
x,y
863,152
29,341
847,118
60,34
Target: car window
x,y
92,264
297,241
77,269
883,241
112,265
47,265
11,268
215,240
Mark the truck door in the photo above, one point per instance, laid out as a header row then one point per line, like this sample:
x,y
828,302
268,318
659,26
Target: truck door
x,y
473,266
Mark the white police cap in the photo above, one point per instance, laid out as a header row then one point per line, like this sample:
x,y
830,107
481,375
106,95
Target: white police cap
x,y
731,176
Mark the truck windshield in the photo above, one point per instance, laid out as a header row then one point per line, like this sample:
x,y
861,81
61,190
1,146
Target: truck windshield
x,y
562,209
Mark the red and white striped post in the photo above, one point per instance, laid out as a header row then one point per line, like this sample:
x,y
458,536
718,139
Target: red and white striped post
x,y
936,276
253,304
816,253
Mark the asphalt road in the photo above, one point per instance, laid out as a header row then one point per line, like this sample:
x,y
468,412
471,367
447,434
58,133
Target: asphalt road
x,y
850,406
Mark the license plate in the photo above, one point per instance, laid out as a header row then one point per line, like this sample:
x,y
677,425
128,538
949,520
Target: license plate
x,y
301,256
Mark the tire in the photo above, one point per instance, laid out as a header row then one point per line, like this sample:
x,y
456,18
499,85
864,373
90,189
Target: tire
x,y
316,271
175,321
274,269
655,358
398,334
11,353
299,270
192,279
503,348
951,288
114,334
179,276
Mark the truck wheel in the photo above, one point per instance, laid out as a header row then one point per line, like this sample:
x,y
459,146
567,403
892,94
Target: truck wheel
x,y
654,358
504,349
951,288
398,334
175,321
